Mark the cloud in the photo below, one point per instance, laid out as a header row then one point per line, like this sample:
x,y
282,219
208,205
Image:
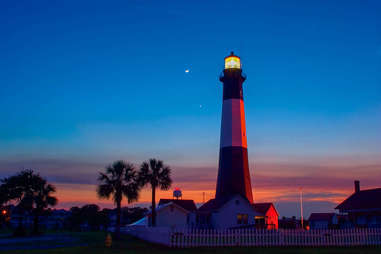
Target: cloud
x,y
274,176
289,208
325,183
56,170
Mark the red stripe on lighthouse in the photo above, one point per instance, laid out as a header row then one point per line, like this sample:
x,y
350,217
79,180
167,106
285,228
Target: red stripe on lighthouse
x,y
233,129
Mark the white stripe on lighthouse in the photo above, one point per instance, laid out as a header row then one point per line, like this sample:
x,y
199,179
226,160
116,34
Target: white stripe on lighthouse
x,y
233,129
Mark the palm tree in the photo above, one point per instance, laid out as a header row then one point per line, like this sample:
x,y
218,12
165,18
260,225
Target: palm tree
x,y
42,199
32,192
155,173
117,181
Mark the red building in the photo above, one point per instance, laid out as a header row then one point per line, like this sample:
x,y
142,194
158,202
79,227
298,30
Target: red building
x,y
268,217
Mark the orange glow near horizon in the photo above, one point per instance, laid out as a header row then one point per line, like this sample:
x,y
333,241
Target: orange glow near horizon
x,y
78,194
271,182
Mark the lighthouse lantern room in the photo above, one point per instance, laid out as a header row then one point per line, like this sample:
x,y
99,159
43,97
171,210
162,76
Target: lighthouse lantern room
x,y
232,62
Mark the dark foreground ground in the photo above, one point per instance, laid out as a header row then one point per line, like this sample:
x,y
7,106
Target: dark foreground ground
x,y
93,243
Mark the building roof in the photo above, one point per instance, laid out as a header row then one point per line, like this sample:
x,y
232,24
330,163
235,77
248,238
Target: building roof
x,y
187,204
362,200
263,207
142,222
215,204
321,216
162,206
211,205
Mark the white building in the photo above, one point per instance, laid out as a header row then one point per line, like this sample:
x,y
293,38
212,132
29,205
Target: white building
x,y
233,213
172,213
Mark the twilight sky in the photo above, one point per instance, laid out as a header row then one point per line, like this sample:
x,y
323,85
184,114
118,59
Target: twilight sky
x,y
84,83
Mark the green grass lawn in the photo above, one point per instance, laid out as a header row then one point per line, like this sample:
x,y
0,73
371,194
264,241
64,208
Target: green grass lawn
x,y
95,245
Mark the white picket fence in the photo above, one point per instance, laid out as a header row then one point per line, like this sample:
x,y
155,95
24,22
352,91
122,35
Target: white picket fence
x,y
256,237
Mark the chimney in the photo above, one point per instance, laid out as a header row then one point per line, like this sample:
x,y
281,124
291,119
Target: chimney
x,y
357,186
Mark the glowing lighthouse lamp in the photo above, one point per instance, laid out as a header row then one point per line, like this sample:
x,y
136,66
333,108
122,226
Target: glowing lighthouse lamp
x,y
232,62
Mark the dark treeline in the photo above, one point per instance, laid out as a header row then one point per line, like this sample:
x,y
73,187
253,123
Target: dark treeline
x,y
86,218
27,199
91,218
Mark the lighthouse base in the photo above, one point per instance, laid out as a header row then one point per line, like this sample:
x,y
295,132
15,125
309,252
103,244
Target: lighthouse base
x,y
233,174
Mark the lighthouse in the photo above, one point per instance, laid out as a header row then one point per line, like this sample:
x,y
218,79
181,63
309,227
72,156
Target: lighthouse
x,y
233,170
233,204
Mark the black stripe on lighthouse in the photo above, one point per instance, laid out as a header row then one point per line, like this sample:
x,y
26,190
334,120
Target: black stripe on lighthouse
x,y
232,80
233,174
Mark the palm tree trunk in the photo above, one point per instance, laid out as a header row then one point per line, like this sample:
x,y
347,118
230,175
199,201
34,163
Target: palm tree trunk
x,y
118,212
35,224
153,206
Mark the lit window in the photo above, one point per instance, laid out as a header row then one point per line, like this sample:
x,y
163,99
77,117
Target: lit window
x,y
260,220
242,219
245,219
239,218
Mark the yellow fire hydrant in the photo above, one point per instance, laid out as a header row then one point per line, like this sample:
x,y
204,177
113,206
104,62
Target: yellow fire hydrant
x,y
108,241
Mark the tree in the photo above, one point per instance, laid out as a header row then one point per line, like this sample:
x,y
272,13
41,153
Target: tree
x,y
156,174
88,217
74,220
31,191
117,181
4,192
136,213
89,213
103,219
